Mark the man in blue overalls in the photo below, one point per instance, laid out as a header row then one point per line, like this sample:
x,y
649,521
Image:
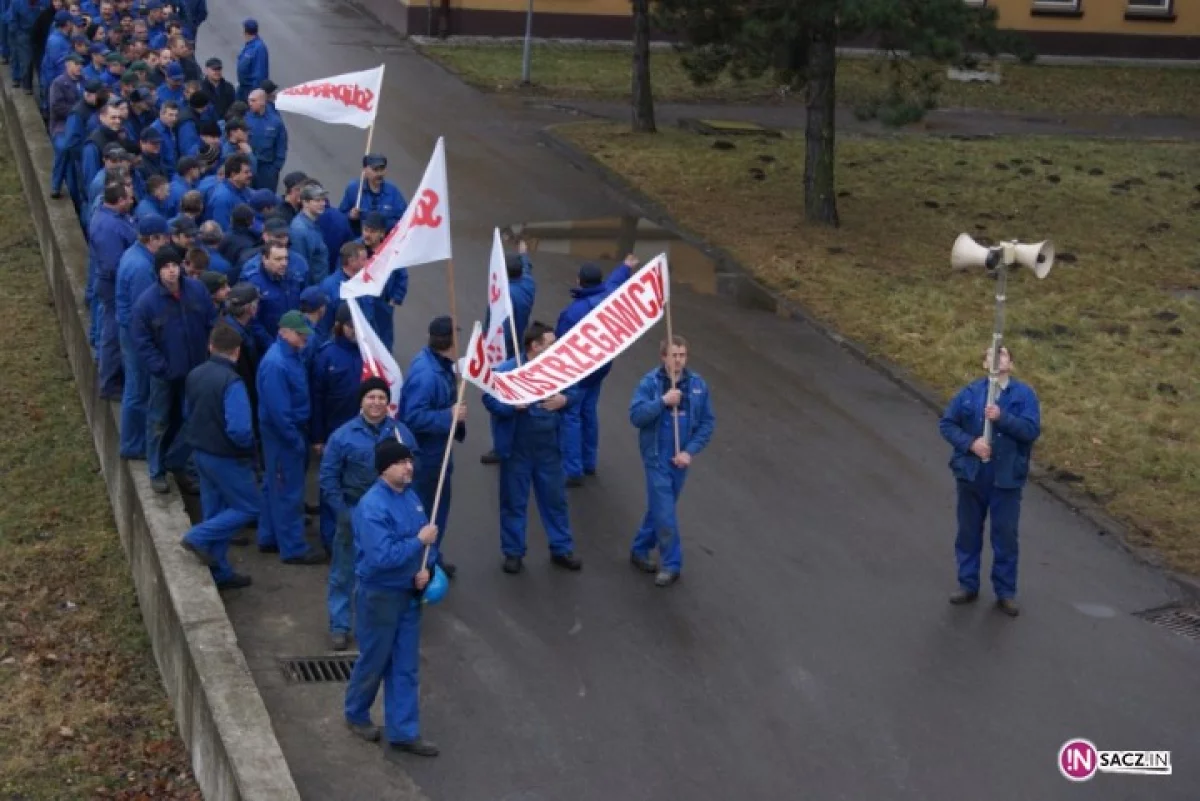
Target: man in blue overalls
x,y
221,435
664,394
990,477
428,408
528,444
391,532
347,471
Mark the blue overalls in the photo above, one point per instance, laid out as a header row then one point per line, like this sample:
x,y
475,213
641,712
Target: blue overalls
x,y
135,274
528,444
283,414
387,560
334,376
220,432
656,439
347,472
992,488
425,407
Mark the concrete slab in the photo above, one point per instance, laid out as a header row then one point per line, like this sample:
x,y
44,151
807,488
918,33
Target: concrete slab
x,y
808,652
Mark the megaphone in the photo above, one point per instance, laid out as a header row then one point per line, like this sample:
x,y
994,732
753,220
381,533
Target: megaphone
x,y
1039,257
968,254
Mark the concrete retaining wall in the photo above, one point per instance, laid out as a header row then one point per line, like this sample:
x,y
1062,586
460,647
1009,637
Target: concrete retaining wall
x,y
221,716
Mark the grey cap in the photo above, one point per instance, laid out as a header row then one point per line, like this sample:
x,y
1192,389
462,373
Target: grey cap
x,y
242,294
313,192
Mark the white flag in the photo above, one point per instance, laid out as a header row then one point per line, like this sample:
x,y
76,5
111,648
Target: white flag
x,y
350,99
377,361
499,306
422,235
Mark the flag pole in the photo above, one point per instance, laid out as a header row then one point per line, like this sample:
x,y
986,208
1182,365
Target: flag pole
x,y
670,342
462,391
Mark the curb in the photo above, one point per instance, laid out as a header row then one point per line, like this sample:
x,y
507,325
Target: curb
x,y
220,713
736,283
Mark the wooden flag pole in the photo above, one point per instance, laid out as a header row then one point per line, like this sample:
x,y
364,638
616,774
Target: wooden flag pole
x,y
362,178
671,342
462,391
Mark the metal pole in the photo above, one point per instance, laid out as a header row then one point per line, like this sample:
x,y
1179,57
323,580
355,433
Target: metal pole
x,y
997,343
526,56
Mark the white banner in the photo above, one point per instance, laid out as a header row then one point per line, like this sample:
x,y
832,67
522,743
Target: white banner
x,y
607,330
350,99
377,361
422,235
499,306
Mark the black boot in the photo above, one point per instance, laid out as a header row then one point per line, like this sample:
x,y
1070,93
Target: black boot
x,y
963,597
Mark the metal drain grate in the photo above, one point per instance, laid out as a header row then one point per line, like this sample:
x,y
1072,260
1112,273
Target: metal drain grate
x,y
318,669
1180,619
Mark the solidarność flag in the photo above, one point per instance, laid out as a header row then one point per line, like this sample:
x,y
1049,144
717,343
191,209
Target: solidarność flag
x,y
350,99
377,360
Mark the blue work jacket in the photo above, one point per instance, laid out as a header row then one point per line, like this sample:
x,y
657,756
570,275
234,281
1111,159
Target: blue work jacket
x,y
387,553
332,287
334,377
510,423
649,415
268,138
1013,435
308,243
586,299
425,401
253,65
170,333
222,201
277,296
348,461
110,234
283,399
388,201
135,274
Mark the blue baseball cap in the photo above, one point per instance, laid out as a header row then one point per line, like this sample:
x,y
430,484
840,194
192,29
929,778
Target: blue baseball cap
x,y
263,199
312,299
174,71
250,25
98,47
152,225
62,17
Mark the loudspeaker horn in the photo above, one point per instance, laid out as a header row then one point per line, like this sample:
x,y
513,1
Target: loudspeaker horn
x,y
1039,257
967,254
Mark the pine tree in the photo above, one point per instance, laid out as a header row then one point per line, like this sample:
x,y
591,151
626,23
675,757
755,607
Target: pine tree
x,y
796,42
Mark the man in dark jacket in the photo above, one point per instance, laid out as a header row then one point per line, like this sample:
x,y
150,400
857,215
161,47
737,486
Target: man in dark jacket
x,y
63,94
220,433
171,324
990,476
220,90
581,423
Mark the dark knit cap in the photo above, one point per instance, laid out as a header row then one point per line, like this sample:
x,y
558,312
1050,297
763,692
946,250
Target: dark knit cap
x,y
374,382
388,452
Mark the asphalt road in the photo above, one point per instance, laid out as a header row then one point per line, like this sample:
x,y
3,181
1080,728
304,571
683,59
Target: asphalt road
x,y
807,653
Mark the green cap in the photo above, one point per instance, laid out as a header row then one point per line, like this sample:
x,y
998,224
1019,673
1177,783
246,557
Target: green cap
x,y
140,65
295,321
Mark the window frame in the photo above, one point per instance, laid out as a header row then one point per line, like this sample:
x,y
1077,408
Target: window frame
x,y
1143,10
1057,8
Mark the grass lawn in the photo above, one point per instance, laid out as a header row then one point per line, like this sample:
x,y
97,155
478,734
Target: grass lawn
x,y
83,713
564,71
1111,351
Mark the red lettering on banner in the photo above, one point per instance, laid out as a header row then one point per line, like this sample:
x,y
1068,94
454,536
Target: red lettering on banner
x,y
597,338
571,349
426,215
624,311
659,290
500,382
477,363
558,364
494,291
616,331
636,293
346,94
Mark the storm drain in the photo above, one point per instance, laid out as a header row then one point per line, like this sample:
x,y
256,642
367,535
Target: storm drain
x,y
1182,620
318,669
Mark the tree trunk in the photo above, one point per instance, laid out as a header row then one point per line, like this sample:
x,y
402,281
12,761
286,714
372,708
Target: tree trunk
x,y
643,100
820,200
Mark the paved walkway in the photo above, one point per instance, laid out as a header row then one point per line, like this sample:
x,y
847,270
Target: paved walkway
x,y
808,652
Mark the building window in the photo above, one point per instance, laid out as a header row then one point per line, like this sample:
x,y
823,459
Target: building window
x,y
1068,8
1150,9
976,3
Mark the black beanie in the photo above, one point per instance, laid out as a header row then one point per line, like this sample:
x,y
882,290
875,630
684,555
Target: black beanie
x,y
388,452
167,254
374,382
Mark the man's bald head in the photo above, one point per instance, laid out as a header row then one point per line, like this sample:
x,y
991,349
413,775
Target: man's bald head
x,y
257,100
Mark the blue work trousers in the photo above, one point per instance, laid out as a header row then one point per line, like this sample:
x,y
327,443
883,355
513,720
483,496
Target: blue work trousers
x,y
63,170
341,577
389,642
425,483
660,526
135,396
329,523
166,450
581,434
976,501
282,519
537,462
229,501
22,55
109,352
267,178
4,48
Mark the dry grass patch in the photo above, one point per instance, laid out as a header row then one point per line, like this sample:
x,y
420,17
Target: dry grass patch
x,y
83,714
604,73
1108,346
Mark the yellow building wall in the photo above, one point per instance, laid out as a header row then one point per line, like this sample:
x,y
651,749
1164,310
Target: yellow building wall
x,y
594,7
1099,16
